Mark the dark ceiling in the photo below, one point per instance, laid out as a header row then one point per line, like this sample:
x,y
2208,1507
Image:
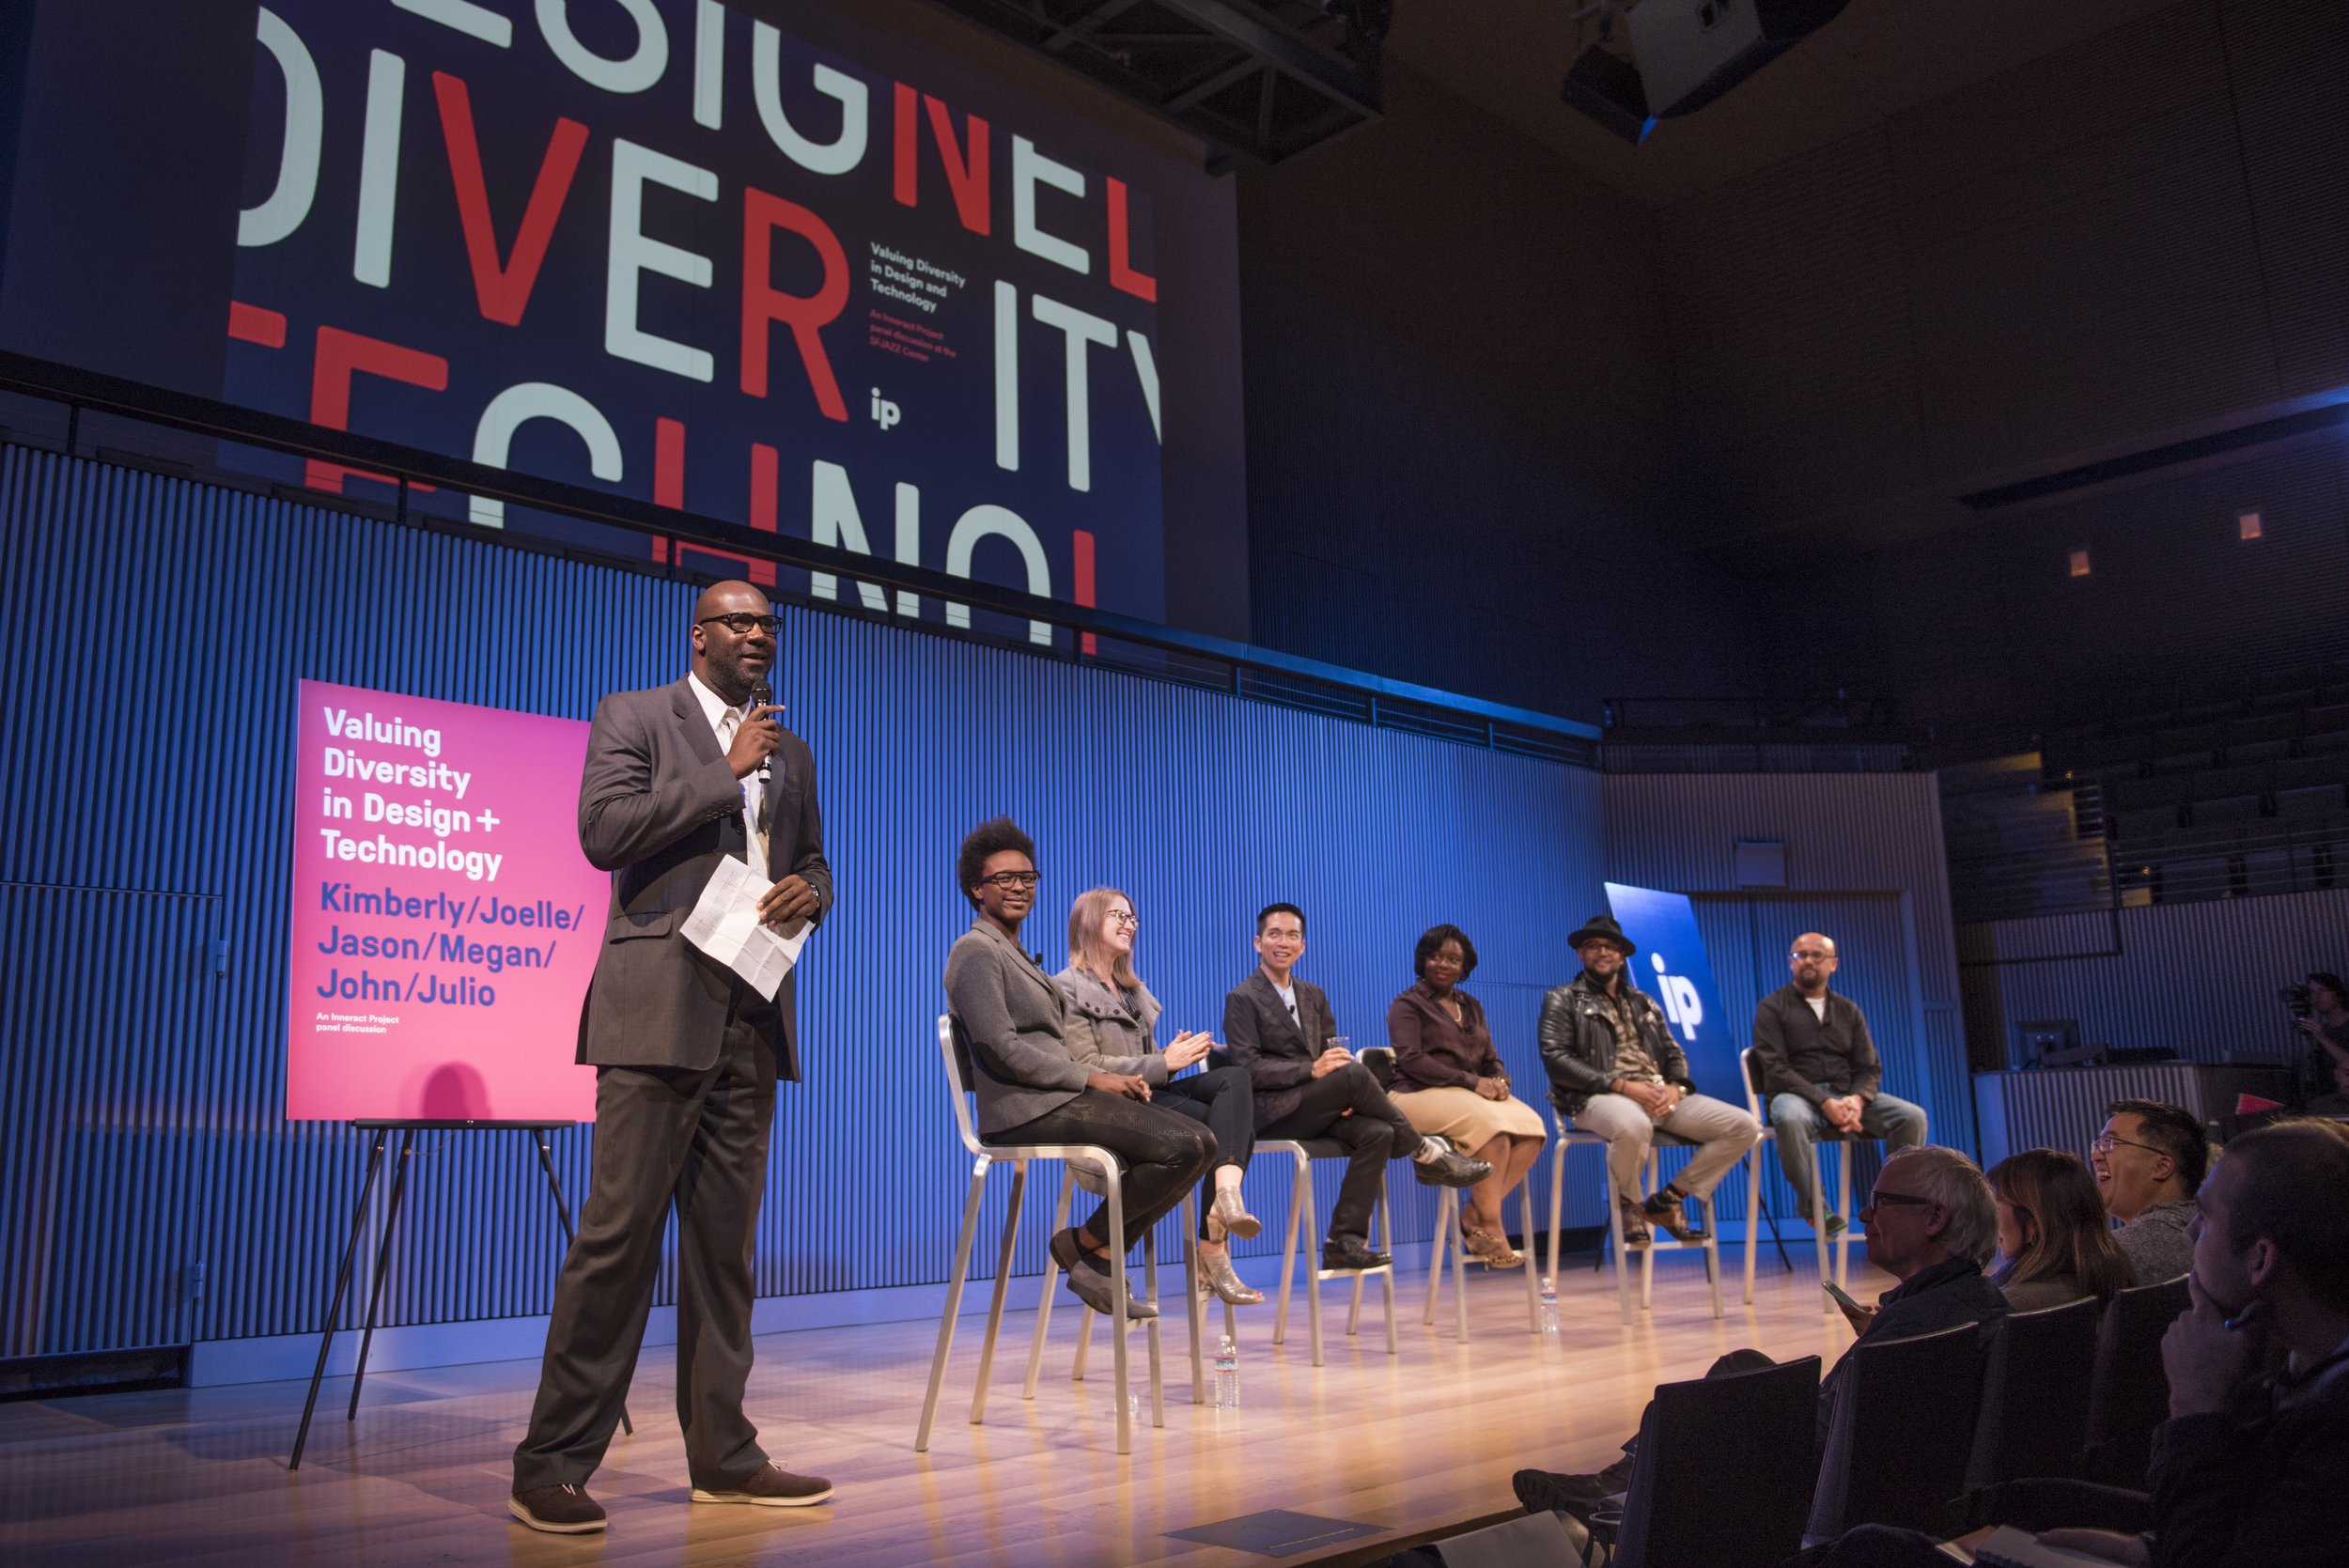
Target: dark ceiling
x,y
1880,56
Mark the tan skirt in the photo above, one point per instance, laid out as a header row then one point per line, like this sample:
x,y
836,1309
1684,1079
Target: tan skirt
x,y
1468,1118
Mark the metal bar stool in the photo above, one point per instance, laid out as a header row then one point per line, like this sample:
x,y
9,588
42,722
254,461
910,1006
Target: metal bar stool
x,y
1304,1218
1451,1236
1658,1139
1749,1069
984,1158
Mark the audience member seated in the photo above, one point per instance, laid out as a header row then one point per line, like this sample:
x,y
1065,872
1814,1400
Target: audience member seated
x,y
1820,1072
1279,1028
1932,1225
2054,1244
1450,1083
2150,1161
1032,1090
2251,1470
2336,1103
1616,1069
1110,1016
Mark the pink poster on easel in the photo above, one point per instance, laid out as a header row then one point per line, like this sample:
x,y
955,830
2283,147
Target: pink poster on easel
x,y
445,922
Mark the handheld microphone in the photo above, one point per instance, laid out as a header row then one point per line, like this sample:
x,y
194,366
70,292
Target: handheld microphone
x,y
762,695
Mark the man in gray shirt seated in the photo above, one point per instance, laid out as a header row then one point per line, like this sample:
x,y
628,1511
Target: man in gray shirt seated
x,y
2150,1161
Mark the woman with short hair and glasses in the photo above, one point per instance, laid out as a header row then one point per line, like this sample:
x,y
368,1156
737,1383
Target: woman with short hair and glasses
x,y
1112,1016
2055,1243
1449,1082
1032,1089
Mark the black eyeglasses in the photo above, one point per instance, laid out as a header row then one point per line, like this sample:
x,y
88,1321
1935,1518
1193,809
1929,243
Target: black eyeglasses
x,y
2104,1142
1010,879
742,625
1878,1200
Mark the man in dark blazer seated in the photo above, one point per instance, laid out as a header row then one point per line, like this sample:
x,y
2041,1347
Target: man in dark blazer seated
x,y
687,1057
1279,1028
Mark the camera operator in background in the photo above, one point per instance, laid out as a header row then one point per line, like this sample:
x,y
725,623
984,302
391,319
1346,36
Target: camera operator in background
x,y
2320,1007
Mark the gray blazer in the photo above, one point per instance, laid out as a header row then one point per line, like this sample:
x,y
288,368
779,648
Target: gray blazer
x,y
657,806
1106,1037
1020,1063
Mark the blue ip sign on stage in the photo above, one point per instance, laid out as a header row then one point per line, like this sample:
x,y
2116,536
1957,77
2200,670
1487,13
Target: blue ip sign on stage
x,y
1670,965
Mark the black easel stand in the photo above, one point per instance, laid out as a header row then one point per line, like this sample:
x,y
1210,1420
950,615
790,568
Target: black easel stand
x,y
384,1130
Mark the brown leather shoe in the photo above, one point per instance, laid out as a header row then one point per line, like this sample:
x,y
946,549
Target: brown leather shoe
x,y
1635,1232
1664,1212
772,1487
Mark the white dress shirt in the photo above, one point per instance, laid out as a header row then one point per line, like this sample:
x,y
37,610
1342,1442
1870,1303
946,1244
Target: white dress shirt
x,y
723,723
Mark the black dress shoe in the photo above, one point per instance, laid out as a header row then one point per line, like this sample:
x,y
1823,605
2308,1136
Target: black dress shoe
x,y
1546,1491
557,1510
1449,1169
1352,1255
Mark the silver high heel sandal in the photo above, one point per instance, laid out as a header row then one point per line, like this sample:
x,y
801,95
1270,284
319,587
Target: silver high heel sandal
x,y
1217,1278
1228,1216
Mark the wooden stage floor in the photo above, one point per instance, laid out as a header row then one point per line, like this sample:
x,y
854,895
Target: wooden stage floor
x,y
1411,1443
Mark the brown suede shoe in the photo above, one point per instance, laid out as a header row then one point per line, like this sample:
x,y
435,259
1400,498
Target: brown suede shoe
x,y
772,1487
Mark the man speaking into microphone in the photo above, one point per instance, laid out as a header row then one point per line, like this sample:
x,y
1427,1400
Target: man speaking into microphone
x,y
687,1057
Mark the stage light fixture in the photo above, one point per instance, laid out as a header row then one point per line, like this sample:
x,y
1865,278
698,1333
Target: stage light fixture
x,y
1685,54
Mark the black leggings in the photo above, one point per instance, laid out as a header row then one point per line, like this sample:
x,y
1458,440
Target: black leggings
x,y
1164,1151
1226,1100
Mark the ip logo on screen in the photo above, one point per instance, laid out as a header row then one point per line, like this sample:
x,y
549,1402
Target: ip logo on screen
x,y
1682,1004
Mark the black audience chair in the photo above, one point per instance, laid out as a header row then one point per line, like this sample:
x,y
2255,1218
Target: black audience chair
x,y
2129,1393
1724,1472
2034,1396
1903,1429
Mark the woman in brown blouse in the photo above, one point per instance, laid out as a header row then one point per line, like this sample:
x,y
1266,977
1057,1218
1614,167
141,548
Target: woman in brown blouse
x,y
1449,1082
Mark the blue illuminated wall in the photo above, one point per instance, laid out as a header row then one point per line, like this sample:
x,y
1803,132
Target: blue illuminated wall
x,y
150,1192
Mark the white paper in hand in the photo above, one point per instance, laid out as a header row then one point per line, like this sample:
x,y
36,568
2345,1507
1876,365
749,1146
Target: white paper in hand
x,y
725,924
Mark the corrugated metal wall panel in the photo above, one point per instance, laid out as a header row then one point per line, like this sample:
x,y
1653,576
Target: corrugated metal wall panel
x,y
2065,1110
154,629
1845,834
2200,979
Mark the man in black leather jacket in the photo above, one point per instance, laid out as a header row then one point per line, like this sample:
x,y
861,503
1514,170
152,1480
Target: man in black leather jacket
x,y
1616,1069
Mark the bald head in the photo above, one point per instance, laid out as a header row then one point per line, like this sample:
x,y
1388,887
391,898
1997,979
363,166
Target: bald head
x,y
1812,961
734,637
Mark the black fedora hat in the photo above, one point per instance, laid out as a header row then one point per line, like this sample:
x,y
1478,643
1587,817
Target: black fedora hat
x,y
1602,926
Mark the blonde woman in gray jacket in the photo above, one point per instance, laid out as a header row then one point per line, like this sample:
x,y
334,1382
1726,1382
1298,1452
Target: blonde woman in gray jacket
x,y
1110,1016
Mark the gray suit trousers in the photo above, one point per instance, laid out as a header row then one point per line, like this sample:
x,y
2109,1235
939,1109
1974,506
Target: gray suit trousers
x,y
664,1135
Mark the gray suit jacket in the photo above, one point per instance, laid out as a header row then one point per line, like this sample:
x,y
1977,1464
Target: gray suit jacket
x,y
1103,1036
657,806
1020,1065
1278,1053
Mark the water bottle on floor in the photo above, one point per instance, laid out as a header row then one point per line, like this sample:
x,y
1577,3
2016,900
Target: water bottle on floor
x,y
1549,1305
1227,1375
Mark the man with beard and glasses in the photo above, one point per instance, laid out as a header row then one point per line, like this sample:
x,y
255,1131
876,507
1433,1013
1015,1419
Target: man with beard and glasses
x,y
1616,1069
1821,1074
687,1057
